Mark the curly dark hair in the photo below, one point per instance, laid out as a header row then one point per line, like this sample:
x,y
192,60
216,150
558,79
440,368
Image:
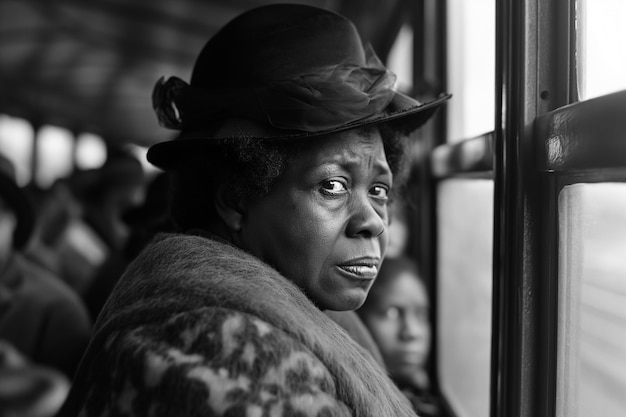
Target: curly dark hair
x,y
249,167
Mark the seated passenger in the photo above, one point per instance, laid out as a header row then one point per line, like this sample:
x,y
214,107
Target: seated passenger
x,y
63,242
39,314
396,312
292,138
96,240
144,222
28,389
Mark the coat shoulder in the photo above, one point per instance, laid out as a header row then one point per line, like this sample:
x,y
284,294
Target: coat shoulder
x,y
211,361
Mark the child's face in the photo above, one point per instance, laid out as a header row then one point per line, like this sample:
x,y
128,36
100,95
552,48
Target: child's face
x,y
397,317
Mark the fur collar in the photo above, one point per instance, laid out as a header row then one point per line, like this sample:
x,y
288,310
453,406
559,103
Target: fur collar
x,y
179,273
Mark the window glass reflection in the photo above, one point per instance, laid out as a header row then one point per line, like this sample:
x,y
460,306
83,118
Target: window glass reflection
x,y
465,227
601,55
592,301
471,59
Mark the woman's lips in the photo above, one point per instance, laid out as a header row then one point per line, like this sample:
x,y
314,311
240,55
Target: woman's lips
x,y
365,268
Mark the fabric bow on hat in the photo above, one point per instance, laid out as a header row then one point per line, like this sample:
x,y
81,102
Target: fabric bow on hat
x,y
293,71
324,98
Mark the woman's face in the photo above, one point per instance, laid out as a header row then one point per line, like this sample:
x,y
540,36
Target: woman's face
x,y
324,224
397,317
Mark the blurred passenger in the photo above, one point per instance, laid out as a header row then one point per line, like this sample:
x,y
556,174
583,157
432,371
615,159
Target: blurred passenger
x,y
39,314
28,389
144,222
55,209
151,217
89,231
118,186
396,312
62,241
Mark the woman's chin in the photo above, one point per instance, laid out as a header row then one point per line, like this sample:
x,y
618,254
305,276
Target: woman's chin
x,y
351,301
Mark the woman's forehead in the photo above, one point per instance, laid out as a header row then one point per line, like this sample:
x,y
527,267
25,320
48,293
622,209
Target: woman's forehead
x,y
348,147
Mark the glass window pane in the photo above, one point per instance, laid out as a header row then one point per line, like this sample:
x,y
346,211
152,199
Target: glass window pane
x,y
465,216
471,59
592,301
601,54
400,60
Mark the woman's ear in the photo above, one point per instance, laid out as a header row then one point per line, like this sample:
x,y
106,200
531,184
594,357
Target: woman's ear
x,y
230,209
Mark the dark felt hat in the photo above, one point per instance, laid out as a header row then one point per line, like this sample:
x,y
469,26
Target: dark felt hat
x,y
294,70
17,199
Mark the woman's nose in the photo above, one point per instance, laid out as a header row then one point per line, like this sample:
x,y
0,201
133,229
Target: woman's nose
x,y
366,219
412,328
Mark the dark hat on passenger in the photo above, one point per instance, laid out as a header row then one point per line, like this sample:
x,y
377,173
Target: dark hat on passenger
x,y
19,202
296,71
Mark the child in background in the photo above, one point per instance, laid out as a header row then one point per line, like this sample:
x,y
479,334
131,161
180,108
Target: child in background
x,y
396,313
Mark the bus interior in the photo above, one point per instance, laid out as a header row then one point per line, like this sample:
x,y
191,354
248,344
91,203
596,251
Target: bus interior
x,y
519,186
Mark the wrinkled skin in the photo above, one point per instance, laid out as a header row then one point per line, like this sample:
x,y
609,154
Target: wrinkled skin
x,y
324,223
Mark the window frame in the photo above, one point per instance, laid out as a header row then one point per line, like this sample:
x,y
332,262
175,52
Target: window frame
x,y
535,74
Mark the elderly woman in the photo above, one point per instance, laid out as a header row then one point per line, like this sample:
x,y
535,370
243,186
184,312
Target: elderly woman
x,y
291,139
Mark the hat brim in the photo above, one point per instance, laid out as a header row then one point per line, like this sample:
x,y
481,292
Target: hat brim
x,y
403,114
23,208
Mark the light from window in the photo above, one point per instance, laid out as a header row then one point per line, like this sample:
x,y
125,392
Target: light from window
x,y
91,151
591,364
140,152
400,60
465,217
601,55
471,59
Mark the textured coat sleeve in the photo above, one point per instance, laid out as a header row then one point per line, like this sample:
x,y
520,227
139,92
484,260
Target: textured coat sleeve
x,y
209,362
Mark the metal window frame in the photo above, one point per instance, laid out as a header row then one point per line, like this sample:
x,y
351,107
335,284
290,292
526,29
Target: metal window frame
x,y
430,40
535,74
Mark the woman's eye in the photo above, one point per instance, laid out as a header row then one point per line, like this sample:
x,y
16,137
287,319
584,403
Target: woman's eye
x,y
391,313
380,192
334,187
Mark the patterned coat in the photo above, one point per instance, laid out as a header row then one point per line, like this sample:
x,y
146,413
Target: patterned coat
x,y
197,327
